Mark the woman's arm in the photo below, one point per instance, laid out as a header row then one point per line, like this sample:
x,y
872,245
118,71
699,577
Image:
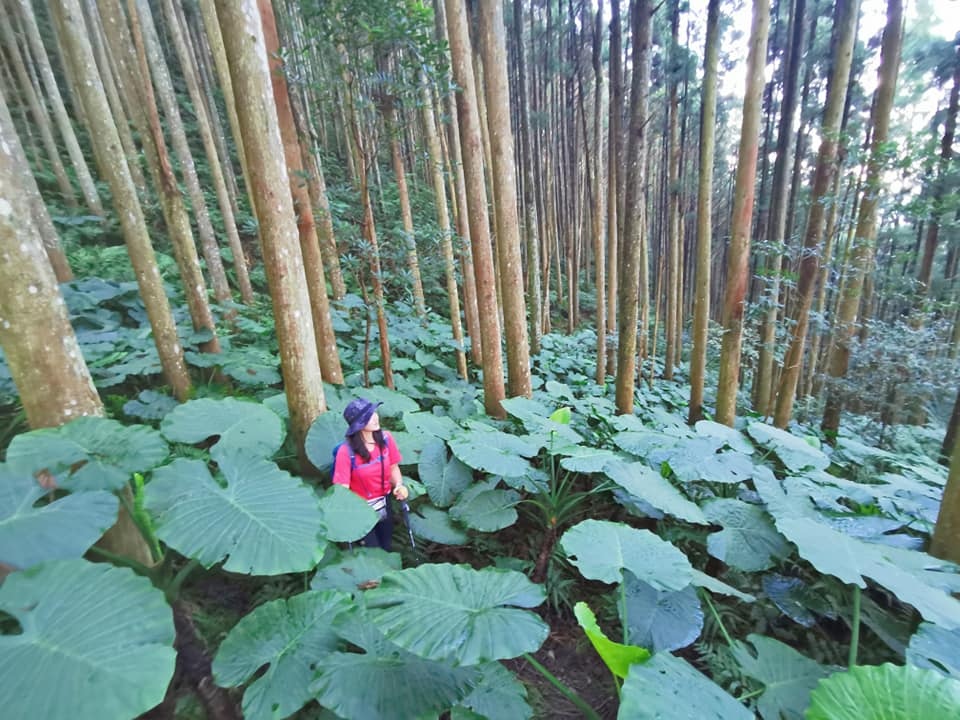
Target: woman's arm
x,y
400,491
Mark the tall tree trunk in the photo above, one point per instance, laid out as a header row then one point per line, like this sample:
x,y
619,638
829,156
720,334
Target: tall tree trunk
x,y
38,342
823,179
945,541
615,179
113,165
738,253
599,201
494,50
208,243
861,254
270,192
708,118
483,262
309,243
671,354
38,112
87,185
174,209
634,230
777,228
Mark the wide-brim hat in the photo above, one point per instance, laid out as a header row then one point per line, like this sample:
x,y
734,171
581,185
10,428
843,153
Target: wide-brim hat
x,y
358,414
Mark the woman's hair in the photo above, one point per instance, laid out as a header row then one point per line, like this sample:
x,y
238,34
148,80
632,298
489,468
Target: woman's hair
x,y
359,448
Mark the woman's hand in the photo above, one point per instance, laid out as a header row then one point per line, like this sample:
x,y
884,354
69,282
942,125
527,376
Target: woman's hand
x,y
400,492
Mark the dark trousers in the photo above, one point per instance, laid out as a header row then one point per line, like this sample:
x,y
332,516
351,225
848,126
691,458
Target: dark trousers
x,y
382,534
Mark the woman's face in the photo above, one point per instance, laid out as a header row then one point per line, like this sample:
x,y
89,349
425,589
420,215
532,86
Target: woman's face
x,y
373,424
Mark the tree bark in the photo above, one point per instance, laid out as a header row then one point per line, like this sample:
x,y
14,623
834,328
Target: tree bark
x,y
823,178
738,253
634,230
113,165
494,50
672,324
708,118
599,202
472,149
945,541
269,190
861,254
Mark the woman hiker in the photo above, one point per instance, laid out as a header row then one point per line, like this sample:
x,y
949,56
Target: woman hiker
x,y
369,464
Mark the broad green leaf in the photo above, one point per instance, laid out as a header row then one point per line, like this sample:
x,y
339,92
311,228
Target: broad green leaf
x,y
240,425
641,481
498,695
458,614
708,582
349,569
90,453
426,423
261,521
487,511
661,620
689,456
748,541
885,692
289,636
394,403
538,419
587,460
278,403
444,478
795,598
493,452
935,648
732,437
149,405
793,452
323,436
787,676
433,524
669,688
102,636
616,656
59,530
411,445
385,682
344,515
601,550
852,560
642,442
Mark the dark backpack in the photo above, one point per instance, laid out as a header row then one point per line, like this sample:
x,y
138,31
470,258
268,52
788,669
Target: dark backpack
x,y
353,456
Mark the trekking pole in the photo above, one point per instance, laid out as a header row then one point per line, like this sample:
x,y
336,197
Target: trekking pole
x,y
406,519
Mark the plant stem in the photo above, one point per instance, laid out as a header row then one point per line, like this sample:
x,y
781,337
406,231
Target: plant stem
x,y
855,627
623,612
145,533
716,617
587,711
173,589
122,561
751,694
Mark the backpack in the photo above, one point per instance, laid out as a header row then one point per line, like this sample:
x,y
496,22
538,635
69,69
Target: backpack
x,y
353,456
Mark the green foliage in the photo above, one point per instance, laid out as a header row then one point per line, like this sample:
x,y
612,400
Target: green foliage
x,y
617,657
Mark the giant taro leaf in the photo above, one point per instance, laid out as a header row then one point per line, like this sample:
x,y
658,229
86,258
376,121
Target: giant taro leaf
x,y
100,635
601,550
616,656
669,688
325,433
487,510
458,614
435,525
885,692
730,436
787,676
796,599
445,478
263,521
493,452
708,582
384,681
350,570
936,648
498,695
90,453
425,423
646,484
238,424
150,405
793,452
851,560
59,530
345,516
661,620
291,636
748,541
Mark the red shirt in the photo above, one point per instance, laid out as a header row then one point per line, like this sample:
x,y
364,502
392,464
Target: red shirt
x,y
367,479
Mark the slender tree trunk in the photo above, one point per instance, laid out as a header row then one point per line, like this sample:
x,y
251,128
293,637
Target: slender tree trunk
x,y
494,50
671,354
634,230
270,192
861,254
483,262
823,178
945,541
738,253
599,201
208,243
109,153
174,210
614,181
708,118
309,244
87,185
